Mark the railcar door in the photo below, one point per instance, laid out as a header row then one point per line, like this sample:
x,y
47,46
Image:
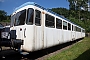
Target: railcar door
x,y
38,30
73,32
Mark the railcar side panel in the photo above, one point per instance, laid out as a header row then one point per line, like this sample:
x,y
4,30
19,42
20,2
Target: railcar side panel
x,y
56,38
73,35
59,37
52,37
38,38
28,38
69,36
65,35
78,35
49,36
83,34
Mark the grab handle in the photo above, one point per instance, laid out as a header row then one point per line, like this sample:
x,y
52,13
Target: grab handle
x,y
24,32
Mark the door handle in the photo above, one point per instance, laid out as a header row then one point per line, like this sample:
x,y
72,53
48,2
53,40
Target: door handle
x,y
24,32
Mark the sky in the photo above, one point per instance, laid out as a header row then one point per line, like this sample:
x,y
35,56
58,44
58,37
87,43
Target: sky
x,y
9,5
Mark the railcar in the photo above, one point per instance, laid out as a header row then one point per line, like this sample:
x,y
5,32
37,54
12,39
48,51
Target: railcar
x,y
34,27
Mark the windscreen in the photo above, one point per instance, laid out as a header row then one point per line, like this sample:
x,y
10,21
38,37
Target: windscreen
x,y
30,16
18,18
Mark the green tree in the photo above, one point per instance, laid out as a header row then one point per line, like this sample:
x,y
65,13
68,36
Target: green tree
x,y
78,4
61,11
71,4
3,15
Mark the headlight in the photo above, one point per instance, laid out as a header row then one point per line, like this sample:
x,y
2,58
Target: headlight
x,y
4,34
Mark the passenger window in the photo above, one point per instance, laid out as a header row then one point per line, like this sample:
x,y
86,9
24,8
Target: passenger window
x,y
69,26
72,28
83,31
30,17
75,28
64,25
78,29
37,18
49,22
58,23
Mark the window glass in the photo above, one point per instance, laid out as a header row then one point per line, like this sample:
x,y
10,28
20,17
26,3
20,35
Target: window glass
x,y
75,28
69,26
78,29
72,28
49,22
30,15
12,20
18,18
64,25
83,31
37,18
58,23
1,25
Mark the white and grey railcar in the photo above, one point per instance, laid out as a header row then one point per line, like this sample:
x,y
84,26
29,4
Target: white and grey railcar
x,y
40,28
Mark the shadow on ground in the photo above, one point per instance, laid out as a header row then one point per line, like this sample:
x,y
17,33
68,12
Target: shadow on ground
x,y
12,55
84,56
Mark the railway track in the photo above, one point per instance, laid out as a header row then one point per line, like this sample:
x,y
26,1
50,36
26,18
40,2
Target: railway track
x,y
37,55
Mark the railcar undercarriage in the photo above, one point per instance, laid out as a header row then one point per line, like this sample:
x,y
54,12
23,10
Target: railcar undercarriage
x,y
8,39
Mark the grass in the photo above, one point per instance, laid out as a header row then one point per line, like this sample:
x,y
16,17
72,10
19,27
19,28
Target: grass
x,y
79,51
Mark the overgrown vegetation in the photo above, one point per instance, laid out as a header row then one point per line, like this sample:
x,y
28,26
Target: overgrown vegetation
x,y
81,18
4,17
79,51
77,13
78,4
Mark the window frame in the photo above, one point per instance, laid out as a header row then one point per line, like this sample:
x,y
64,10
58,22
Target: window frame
x,y
69,27
39,19
83,30
28,21
57,23
73,27
64,27
16,21
49,19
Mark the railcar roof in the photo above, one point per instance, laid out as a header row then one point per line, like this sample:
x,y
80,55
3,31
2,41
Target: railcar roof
x,y
35,4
